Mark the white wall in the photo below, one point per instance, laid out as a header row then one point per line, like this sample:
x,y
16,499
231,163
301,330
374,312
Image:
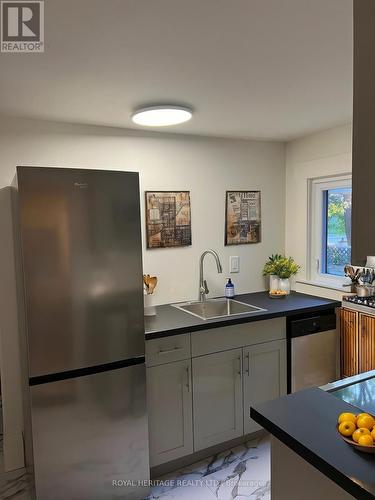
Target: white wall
x,y
206,167
317,155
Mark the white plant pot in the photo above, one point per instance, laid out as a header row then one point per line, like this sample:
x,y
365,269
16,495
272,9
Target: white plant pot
x,y
274,282
149,305
284,285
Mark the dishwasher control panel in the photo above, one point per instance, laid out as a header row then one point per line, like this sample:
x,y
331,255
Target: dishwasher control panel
x,y
314,324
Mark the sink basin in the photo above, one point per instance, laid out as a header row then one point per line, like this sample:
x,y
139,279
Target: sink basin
x,y
217,308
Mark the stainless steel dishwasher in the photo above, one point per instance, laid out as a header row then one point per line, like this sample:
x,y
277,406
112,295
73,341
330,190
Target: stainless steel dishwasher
x,y
313,351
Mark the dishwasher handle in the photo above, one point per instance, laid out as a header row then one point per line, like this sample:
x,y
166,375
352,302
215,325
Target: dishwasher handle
x,y
313,327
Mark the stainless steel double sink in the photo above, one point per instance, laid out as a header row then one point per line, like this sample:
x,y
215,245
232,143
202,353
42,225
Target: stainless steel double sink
x,y
217,308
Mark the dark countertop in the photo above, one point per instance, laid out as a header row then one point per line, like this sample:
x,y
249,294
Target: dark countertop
x,y
306,422
171,321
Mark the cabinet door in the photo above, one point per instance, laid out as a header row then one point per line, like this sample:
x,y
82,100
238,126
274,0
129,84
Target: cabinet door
x,y
366,343
349,342
264,376
217,398
169,401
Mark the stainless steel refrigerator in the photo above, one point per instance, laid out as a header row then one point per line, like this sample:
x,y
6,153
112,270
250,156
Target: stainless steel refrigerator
x,y
80,282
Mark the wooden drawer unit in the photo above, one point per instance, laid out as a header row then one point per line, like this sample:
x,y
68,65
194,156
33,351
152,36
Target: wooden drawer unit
x,y
366,343
233,336
357,342
168,349
349,342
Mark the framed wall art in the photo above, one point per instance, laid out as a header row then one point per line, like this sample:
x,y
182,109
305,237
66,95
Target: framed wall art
x,y
168,219
242,217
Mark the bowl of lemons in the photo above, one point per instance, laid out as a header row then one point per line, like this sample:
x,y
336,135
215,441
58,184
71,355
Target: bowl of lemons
x,y
358,431
278,294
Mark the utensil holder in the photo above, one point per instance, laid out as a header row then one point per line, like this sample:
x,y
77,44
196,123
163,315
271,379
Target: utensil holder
x,y
149,307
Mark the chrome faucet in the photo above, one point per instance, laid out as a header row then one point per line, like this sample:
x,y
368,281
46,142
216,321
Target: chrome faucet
x,y
203,288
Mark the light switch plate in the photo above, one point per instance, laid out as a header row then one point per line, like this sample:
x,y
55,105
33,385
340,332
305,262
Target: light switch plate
x,y
234,264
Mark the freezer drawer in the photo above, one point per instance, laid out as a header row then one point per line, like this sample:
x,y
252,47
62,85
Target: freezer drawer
x,y
90,432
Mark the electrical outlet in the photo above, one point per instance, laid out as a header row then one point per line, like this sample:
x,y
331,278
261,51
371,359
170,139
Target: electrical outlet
x,y
234,264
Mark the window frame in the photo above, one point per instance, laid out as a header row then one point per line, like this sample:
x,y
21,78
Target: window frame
x,y
317,225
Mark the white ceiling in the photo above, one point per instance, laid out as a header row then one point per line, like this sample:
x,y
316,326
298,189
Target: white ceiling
x,y
272,69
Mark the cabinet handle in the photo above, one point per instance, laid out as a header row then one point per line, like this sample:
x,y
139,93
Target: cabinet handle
x,y
188,379
247,364
168,351
239,369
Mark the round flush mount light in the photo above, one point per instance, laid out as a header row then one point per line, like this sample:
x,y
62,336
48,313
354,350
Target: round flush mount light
x,y
162,115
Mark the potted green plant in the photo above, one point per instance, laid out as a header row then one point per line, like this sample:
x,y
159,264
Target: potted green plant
x,y
270,270
280,269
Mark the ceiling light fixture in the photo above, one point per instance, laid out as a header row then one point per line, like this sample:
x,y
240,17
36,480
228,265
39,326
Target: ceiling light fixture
x,y
162,115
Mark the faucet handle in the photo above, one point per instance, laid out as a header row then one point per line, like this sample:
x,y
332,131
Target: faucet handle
x,y
206,290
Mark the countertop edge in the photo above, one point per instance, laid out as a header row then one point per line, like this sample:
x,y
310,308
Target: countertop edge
x,y
349,485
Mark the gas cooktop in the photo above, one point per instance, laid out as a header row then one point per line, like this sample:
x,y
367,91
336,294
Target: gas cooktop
x,y
365,304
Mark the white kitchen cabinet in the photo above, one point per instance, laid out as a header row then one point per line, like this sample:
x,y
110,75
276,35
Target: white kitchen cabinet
x,y
169,400
217,398
264,367
232,368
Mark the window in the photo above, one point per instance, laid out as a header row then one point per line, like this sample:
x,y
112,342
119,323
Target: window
x,y
330,207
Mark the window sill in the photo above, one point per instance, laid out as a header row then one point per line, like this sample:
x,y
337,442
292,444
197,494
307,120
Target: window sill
x,y
325,284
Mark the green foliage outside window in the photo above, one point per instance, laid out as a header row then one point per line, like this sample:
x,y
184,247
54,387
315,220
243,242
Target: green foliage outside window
x,y
339,212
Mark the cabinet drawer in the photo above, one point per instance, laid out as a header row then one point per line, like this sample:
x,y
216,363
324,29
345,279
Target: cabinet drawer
x,y
168,349
230,337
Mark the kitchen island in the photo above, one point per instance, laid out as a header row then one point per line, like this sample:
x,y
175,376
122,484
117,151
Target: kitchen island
x,y
309,459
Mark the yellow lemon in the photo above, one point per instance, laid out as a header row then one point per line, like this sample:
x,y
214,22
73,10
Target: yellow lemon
x,y
362,415
366,440
373,433
347,428
360,432
347,417
366,421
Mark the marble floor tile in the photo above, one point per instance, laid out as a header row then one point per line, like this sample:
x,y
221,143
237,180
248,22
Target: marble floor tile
x,y
236,474
195,492
248,477
242,472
